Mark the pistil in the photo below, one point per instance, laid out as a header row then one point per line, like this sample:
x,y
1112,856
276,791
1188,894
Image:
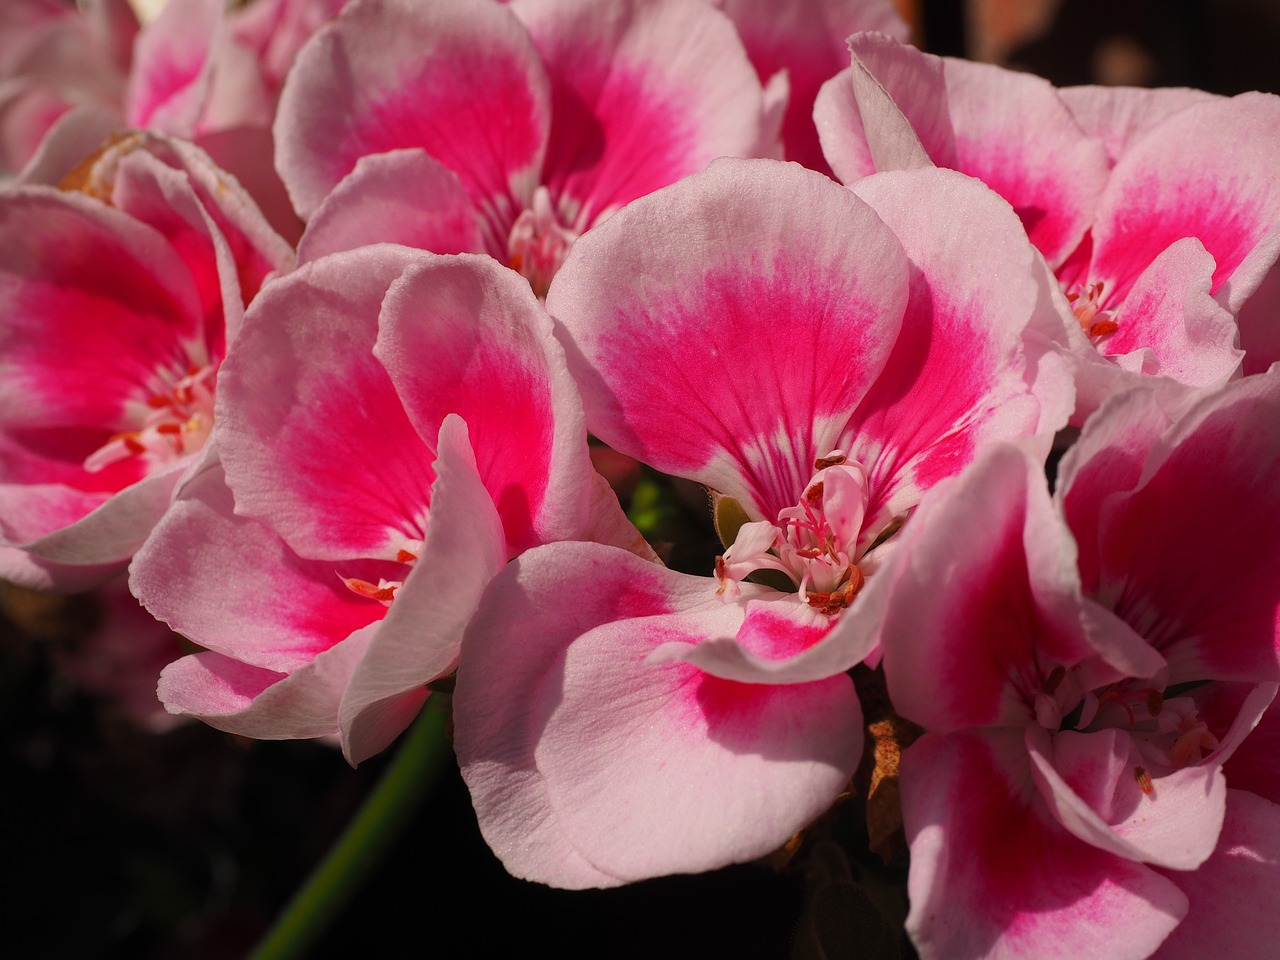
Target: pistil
x,y
813,543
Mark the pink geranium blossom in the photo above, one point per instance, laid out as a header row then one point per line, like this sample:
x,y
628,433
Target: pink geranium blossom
x,y
393,426
1123,191
120,294
1083,686
507,130
796,47
55,57
818,356
69,77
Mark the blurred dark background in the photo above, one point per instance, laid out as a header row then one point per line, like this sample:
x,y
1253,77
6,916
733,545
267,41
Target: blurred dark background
x,y
146,840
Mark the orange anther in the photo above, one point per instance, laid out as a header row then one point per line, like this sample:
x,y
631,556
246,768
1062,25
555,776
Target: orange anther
x,y
834,461
814,493
1102,328
1144,781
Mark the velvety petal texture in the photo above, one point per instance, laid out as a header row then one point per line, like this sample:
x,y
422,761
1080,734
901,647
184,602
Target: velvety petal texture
x,y
121,293
1127,214
806,43
591,766
429,432
1113,685
550,115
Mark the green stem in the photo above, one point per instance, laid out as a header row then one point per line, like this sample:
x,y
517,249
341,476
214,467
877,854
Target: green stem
x,y
385,813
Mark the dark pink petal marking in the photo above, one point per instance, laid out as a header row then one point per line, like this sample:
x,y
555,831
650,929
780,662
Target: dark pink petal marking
x,y
724,328
1213,615
992,874
313,435
460,81
642,95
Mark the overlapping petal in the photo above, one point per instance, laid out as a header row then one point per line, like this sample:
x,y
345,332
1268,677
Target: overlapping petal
x,y
724,328
694,771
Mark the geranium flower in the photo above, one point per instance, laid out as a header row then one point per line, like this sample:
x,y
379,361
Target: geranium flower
x,y
506,130
1122,191
1082,686
796,47
393,426
818,357
120,294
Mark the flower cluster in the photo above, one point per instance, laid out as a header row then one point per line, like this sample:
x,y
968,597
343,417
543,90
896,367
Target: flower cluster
x,y
313,342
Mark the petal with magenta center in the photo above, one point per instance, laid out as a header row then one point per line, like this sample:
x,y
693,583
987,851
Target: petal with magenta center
x,y
465,335
402,196
461,81
311,428
234,587
959,375
643,93
994,875
502,685
722,329
419,639
1160,191
808,41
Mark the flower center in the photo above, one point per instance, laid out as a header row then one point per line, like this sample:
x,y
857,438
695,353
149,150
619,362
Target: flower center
x,y
812,543
539,243
384,591
176,422
1169,731
1086,304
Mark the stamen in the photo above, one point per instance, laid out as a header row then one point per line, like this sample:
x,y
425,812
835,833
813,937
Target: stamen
x,y
813,542
539,242
1144,781
175,424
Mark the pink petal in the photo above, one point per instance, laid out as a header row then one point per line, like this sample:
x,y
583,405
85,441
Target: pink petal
x,y
1107,459
1160,192
1234,896
113,530
969,643
656,769
419,639
337,443
862,129
1170,311
1089,783
1122,115
1216,619
765,297
807,40
96,302
173,67
461,81
465,335
780,641
76,134
992,874
1252,766
233,586
497,711
402,196
1008,129
1259,332
959,375
253,702
643,93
